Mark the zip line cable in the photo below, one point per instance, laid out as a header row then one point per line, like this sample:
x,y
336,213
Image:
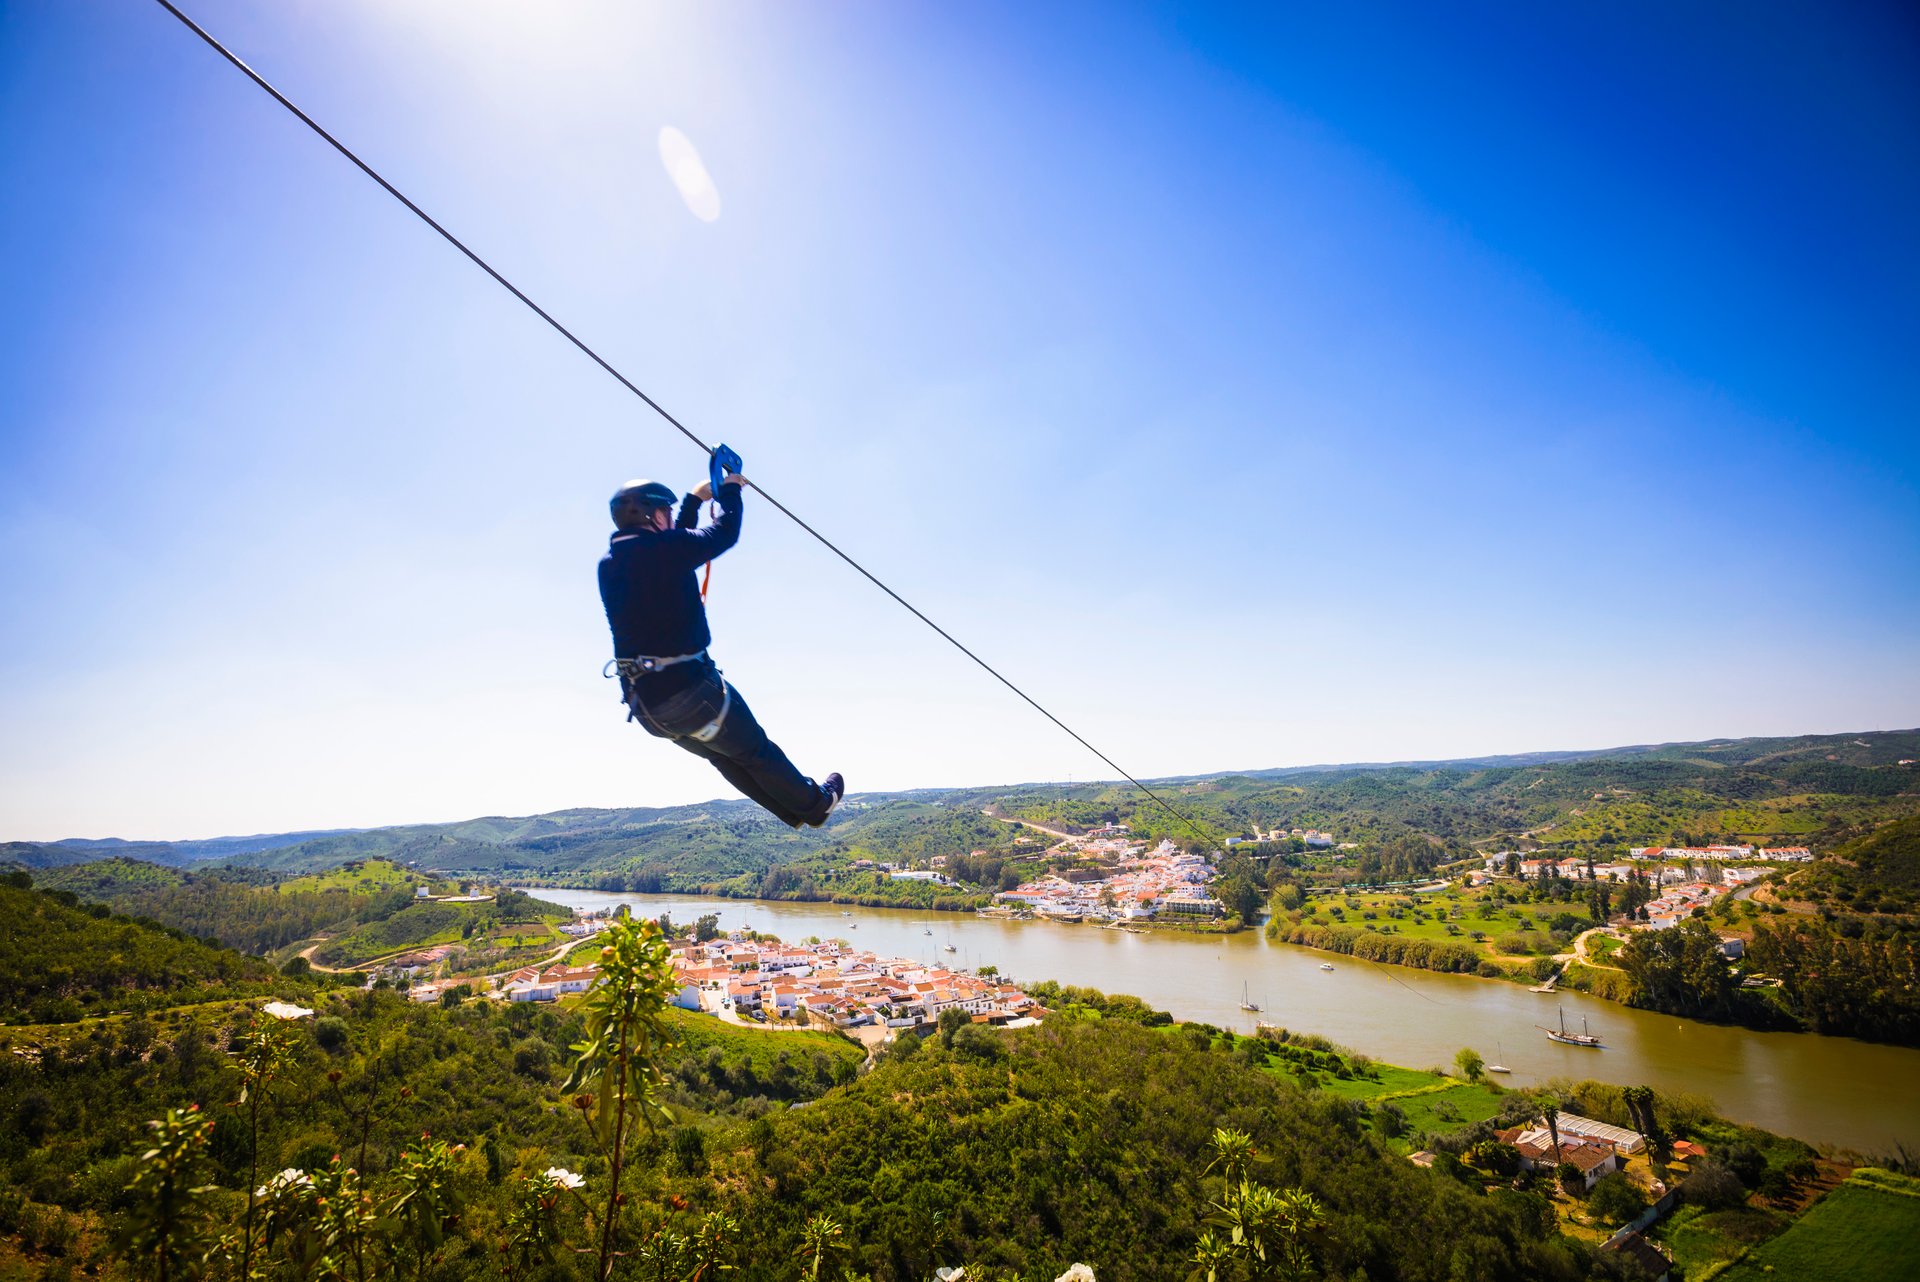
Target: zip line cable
x,y
652,404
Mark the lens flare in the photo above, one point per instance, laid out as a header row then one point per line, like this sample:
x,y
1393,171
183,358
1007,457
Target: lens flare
x,y
689,174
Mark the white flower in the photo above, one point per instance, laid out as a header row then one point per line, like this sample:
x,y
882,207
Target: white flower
x,y
564,1178
285,1010
1078,1273
291,1178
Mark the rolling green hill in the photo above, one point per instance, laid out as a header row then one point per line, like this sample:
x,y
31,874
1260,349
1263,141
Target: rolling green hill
x,y
1819,790
60,960
255,910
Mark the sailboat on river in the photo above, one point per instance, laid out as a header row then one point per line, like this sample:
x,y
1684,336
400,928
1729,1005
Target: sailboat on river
x,y
1581,1038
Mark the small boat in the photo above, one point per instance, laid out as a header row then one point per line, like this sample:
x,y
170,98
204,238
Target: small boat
x,y
1326,965
1499,1068
927,931
948,948
1581,1038
1246,1002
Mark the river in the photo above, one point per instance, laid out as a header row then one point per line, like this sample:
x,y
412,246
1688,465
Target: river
x,y
1823,1089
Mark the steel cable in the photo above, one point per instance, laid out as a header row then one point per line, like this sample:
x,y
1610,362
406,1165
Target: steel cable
x,y
654,405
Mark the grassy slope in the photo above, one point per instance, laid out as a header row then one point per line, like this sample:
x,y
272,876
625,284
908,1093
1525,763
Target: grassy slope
x,y
1864,1231
369,877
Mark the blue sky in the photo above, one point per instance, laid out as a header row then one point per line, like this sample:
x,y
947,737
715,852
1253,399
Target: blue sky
x,y
1256,386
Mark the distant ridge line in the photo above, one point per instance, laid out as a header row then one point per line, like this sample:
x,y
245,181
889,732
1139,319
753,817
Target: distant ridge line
x,y
218,848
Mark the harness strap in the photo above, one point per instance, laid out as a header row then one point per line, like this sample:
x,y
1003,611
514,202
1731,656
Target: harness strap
x,y
629,669
706,573
642,664
707,733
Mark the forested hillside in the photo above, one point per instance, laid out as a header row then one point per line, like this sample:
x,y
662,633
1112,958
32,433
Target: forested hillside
x,y
1818,790
244,908
1086,1141
1851,965
61,960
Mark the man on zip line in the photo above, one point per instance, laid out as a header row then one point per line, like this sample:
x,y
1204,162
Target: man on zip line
x,y
660,641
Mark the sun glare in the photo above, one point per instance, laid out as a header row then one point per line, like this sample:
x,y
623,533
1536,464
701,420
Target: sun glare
x,y
689,174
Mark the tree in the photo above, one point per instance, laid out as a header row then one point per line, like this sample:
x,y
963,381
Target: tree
x,y
1680,970
265,1052
425,1202
821,1234
1713,1185
1232,1155
1639,1101
1494,1157
1616,1199
1569,1178
706,927
1470,1063
168,1226
623,1056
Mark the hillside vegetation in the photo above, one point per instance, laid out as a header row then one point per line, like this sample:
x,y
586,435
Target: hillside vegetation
x,y
1816,789
412,924
251,909
60,960
1027,1151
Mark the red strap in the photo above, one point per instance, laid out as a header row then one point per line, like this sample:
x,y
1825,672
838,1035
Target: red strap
x,y
706,575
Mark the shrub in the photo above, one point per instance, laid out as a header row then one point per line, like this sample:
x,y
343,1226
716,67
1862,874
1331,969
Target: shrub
x,y
1616,1199
1745,1161
1713,1185
331,1033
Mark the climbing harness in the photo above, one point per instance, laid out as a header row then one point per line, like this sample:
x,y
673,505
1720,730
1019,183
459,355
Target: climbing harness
x,y
713,454
630,670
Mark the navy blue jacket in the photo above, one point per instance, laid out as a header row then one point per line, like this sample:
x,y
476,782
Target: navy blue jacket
x,y
648,584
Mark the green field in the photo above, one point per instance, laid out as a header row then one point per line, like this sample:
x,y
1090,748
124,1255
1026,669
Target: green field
x,y
1452,916
1700,1240
1867,1230
1393,1081
371,877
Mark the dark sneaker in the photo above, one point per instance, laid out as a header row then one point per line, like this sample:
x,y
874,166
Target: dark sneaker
x,y
835,788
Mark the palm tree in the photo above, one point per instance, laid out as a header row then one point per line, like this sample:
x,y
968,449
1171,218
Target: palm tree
x,y
1551,1110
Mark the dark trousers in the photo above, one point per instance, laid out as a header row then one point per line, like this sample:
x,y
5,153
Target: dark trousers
x,y
709,719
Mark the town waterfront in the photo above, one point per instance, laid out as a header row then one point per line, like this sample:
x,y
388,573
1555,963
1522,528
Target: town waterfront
x,y
1821,1089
